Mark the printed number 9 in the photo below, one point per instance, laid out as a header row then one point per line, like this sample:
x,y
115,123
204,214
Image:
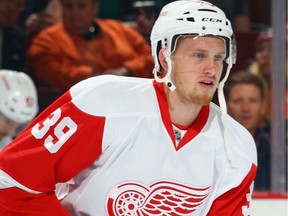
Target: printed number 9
x,y
53,145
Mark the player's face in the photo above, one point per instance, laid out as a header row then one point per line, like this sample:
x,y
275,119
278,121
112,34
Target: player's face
x,y
197,64
10,11
245,105
7,127
79,15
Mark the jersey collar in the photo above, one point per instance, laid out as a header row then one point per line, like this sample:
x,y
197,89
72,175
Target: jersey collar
x,y
192,131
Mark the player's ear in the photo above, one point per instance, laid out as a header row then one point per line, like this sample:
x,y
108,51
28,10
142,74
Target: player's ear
x,y
162,59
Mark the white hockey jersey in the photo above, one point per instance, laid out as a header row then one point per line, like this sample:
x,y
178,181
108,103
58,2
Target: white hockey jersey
x,y
112,137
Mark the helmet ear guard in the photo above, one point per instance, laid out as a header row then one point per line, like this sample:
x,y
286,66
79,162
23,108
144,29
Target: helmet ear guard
x,y
166,79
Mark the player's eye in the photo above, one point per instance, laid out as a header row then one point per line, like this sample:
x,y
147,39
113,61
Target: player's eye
x,y
199,55
219,58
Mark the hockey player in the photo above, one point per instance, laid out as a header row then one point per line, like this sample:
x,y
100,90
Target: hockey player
x,y
18,103
134,146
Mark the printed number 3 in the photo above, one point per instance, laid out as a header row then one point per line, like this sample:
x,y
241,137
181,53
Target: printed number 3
x,y
63,131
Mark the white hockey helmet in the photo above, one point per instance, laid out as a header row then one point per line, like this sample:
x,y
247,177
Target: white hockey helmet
x,y
189,17
18,96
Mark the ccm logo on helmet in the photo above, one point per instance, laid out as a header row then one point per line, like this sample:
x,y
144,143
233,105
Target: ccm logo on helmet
x,y
205,19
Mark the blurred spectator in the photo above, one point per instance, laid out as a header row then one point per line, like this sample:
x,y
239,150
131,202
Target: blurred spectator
x,y
261,65
245,94
263,50
83,46
18,103
237,11
42,14
146,15
48,12
12,35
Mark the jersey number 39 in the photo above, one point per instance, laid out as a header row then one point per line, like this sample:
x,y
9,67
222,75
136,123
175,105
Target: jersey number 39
x,y
64,128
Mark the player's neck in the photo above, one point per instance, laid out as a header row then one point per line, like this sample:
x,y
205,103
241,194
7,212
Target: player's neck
x,y
184,117
181,113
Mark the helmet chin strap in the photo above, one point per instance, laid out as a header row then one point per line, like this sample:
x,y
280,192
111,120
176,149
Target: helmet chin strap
x,y
224,117
166,79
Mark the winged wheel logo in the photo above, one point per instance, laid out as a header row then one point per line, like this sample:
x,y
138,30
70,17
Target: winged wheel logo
x,y
160,198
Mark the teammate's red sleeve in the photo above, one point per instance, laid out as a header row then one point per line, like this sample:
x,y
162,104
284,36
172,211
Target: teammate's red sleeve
x,y
236,201
62,141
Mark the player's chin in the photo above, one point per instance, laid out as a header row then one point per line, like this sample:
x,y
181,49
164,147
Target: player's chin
x,y
203,100
206,102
